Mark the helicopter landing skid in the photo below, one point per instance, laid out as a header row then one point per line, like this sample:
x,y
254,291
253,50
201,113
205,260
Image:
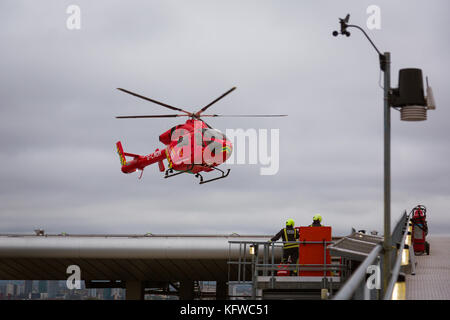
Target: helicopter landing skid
x,y
224,175
169,172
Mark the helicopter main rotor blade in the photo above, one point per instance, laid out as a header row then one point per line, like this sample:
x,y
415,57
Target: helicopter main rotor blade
x,y
155,101
245,115
153,116
198,113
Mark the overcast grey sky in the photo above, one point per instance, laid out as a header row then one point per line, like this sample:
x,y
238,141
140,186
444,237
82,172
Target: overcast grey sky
x,y
59,168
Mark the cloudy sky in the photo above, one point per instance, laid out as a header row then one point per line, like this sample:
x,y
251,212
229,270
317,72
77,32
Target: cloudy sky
x,y
59,168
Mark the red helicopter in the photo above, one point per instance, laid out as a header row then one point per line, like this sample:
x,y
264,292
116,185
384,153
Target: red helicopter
x,y
192,147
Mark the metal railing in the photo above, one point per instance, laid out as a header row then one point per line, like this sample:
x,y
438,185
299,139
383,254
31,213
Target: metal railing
x,y
258,258
356,283
356,286
395,274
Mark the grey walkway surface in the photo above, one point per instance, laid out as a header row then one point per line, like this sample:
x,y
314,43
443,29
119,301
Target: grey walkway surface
x,y
432,279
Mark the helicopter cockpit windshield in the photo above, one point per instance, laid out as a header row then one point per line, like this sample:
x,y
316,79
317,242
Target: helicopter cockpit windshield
x,y
212,134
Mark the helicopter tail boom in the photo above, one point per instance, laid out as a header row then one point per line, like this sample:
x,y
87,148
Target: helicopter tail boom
x,y
139,162
130,166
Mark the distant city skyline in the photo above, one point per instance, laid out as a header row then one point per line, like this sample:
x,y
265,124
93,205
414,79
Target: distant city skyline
x,y
57,290
54,290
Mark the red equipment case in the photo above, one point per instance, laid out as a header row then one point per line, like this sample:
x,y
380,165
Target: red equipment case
x,y
313,253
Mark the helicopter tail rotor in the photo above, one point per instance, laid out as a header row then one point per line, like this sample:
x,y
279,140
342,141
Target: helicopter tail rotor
x,y
123,161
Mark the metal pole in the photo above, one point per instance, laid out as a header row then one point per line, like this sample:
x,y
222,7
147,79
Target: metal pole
x,y
387,246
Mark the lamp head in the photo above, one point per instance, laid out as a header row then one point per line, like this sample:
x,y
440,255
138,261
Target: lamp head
x,y
409,96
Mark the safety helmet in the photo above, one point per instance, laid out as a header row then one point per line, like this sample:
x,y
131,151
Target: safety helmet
x,y
290,223
317,217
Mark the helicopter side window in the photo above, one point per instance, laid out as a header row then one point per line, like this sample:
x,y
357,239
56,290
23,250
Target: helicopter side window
x,y
211,134
182,141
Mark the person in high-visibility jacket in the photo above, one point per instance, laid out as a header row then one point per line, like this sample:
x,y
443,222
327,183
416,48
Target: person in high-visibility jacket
x,y
317,219
290,250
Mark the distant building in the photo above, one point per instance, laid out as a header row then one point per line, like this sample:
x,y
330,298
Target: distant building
x,y
117,294
43,286
28,289
53,288
107,295
2,290
20,290
11,290
35,296
92,293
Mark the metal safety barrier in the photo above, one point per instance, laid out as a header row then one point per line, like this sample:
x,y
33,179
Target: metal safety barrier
x,y
357,287
357,280
261,260
397,278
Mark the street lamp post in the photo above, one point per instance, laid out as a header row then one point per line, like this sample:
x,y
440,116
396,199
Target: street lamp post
x,y
409,98
387,245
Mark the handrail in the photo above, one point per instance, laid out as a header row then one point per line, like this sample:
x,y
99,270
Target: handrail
x,y
280,242
396,269
268,265
354,282
350,286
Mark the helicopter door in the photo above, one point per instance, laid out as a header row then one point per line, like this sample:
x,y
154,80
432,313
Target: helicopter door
x,y
214,142
180,151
